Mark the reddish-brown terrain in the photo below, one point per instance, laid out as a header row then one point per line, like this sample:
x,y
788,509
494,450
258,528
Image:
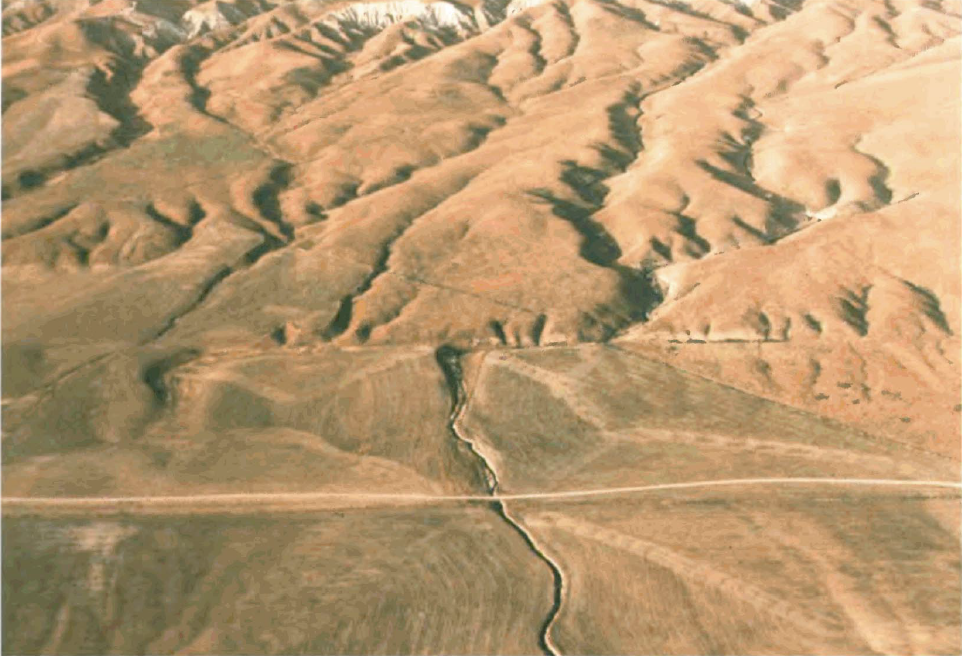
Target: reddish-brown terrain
x,y
481,326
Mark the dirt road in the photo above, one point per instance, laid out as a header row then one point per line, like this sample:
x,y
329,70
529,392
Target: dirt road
x,y
319,500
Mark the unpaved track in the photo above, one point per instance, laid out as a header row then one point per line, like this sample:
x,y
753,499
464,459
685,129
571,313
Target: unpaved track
x,y
320,500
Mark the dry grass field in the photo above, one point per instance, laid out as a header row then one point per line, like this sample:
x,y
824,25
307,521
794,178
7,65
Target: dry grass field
x,y
481,326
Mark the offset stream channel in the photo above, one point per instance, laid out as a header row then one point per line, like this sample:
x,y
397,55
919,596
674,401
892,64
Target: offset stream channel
x,y
449,359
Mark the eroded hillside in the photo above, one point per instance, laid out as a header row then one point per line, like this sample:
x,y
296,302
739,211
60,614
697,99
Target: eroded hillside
x,y
418,257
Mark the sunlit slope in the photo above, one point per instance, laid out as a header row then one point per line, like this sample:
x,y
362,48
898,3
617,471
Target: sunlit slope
x,y
514,173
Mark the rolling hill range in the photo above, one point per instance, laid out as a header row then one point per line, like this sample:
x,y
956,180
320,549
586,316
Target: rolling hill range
x,y
481,326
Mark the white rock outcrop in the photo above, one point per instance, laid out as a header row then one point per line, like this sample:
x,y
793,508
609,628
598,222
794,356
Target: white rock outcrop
x,y
378,15
210,16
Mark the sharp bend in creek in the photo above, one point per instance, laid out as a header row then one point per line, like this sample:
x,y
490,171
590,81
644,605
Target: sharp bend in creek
x,y
449,360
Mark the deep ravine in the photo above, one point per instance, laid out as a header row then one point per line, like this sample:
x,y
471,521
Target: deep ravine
x,y
449,360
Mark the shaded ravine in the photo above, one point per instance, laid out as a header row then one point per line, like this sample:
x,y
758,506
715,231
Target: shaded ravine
x,y
587,186
268,244
342,319
204,290
275,233
449,360
109,87
189,60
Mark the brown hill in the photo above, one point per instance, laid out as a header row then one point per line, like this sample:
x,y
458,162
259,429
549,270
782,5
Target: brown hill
x,y
408,260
